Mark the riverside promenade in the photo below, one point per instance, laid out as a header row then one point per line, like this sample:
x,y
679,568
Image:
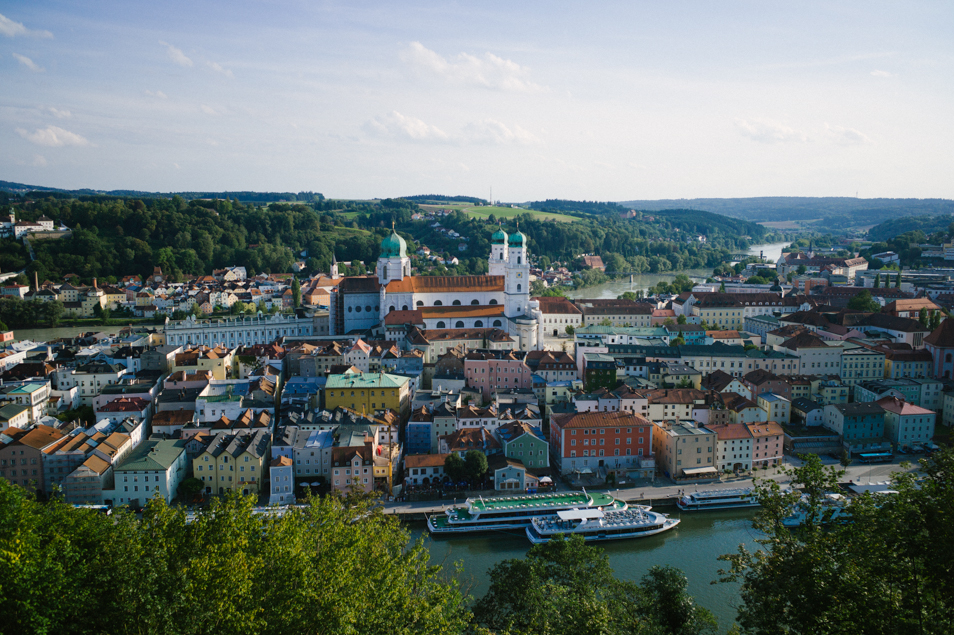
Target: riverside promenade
x,y
664,492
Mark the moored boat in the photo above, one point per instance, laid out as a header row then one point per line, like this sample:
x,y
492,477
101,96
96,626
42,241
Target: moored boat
x,y
718,499
515,512
595,525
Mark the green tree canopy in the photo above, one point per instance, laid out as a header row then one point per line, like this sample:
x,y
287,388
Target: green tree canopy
x,y
862,301
886,571
332,567
475,465
567,587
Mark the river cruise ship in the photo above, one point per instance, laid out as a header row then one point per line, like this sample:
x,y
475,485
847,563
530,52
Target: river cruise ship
x,y
514,512
595,525
718,499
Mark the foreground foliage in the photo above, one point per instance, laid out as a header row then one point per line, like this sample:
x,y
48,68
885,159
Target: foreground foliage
x,y
566,586
889,570
330,568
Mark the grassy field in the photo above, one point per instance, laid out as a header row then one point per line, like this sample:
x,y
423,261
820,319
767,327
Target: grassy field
x,y
501,212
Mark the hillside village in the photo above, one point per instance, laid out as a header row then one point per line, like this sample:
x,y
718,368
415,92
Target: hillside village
x,y
339,396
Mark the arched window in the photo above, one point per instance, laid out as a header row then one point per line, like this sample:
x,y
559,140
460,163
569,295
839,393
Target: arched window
x,y
438,303
460,324
519,259
456,302
501,255
497,323
474,302
420,303
392,308
479,323
404,308
441,325
947,357
518,287
493,302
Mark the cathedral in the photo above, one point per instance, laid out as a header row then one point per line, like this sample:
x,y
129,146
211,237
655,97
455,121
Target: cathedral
x,y
500,299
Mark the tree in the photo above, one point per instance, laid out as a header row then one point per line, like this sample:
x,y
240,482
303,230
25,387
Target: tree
x,y
863,301
475,465
681,319
454,467
227,570
923,317
721,287
897,281
569,329
801,270
820,577
296,292
565,587
935,320
877,281
606,322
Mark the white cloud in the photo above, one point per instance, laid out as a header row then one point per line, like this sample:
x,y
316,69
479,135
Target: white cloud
x,y
59,114
176,55
397,125
26,61
39,161
158,93
218,69
488,71
768,131
53,136
497,133
882,74
12,29
846,136
209,110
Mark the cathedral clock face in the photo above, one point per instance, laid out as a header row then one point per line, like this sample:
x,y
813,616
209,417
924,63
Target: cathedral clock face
x,y
519,275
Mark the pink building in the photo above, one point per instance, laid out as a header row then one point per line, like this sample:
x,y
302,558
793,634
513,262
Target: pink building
x,y
488,371
767,443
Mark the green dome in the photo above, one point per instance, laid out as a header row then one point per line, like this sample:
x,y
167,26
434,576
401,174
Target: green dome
x,y
393,247
517,239
499,237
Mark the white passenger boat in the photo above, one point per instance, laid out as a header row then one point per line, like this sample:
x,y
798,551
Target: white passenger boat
x,y
832,509
514,512
718,499
595,525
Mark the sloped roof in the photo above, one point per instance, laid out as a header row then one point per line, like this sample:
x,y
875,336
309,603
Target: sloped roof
x,y
444,284
942,336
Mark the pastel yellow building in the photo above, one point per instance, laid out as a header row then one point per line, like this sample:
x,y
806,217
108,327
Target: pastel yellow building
x,y
368,392
233,462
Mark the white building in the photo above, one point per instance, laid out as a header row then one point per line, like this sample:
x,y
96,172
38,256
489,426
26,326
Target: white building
x,y
281,481
239,331
155,466
733,447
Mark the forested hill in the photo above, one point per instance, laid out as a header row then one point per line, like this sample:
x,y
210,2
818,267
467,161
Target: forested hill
x,y
706,223
579,207
436,199
28,191
844,211
897,226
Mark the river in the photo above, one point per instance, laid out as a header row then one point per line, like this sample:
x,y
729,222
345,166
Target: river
x,y
693,547
611,290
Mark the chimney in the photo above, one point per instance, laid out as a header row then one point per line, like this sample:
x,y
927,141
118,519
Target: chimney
x,y
94,284
36,281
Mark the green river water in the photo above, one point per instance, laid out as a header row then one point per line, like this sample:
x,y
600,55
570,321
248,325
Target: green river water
x,y
693,546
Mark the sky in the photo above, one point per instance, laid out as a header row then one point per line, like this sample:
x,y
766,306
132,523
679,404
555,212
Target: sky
x,y
527,100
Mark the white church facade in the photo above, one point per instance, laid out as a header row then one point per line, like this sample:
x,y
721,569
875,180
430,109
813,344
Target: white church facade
x,y
499,299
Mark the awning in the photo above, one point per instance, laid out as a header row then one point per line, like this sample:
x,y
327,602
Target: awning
x,y
586,470
700,471
546,479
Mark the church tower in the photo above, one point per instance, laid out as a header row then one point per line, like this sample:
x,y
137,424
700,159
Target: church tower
x,y
393,263
498,253
517,277
334,268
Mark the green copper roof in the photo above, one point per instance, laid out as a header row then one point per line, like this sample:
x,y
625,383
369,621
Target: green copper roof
x,y
517,239
365,380
499,237
393,246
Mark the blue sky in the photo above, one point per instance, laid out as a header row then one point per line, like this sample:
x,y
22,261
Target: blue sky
x,y
617,101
